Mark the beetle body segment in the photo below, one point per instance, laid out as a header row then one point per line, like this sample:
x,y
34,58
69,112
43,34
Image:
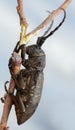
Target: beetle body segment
x,y
28,97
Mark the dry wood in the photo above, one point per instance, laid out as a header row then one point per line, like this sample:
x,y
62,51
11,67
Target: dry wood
x,y
24,38
16,69
8,101
21,12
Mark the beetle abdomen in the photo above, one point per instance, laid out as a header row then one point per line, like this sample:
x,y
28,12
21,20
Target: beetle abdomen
x,y
29,95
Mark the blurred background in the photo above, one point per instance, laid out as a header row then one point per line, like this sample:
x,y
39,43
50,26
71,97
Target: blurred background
x,y
56,110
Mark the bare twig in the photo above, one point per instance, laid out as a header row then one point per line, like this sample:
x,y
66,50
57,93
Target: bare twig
x,y
21,13
23,22
16,69
8,101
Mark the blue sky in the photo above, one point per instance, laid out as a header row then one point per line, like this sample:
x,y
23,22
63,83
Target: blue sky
x,y
56,110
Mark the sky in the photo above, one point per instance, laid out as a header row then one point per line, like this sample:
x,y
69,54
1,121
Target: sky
x,y
56,110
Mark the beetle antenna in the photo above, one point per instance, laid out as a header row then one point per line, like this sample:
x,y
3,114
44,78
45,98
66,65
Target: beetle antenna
x,y
57,26
16,47
48,28
51,24
42,39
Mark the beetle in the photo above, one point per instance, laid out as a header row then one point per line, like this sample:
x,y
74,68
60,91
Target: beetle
x,y
29,81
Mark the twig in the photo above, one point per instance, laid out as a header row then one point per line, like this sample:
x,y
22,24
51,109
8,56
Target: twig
x,y
20,11
23,22
16,69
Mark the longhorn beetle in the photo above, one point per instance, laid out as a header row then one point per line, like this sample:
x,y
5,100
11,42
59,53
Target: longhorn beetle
x,y
29,81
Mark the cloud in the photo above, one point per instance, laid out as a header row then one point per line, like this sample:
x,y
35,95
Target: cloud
x,y
62,57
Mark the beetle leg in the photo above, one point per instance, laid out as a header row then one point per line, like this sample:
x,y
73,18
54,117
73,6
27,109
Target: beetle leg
x,y
2,99
16,48
23,51
6,87
15,79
